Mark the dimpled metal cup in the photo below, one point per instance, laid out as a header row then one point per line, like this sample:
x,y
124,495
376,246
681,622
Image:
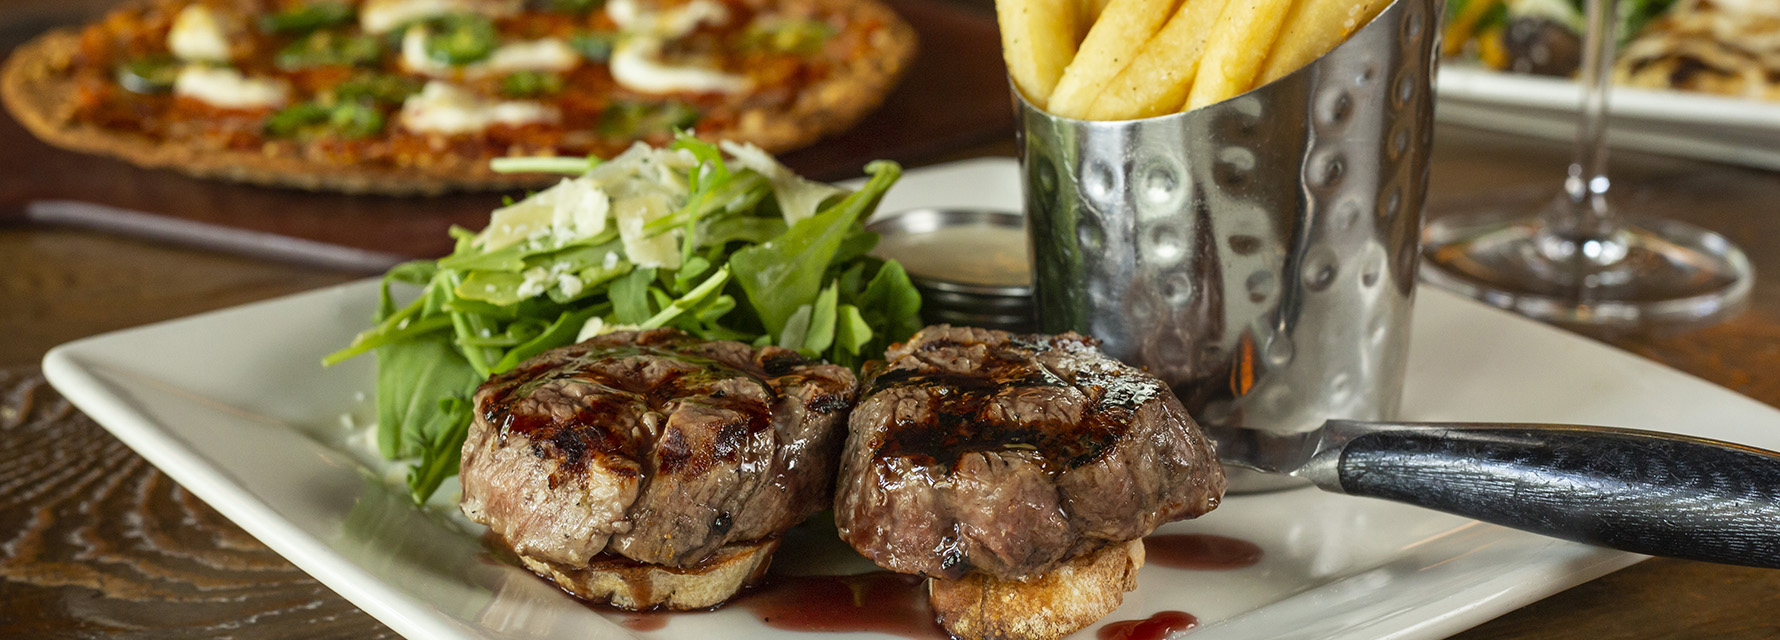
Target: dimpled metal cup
x,y
1258,254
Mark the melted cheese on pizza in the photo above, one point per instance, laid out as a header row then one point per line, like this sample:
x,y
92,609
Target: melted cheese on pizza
x,y
445,108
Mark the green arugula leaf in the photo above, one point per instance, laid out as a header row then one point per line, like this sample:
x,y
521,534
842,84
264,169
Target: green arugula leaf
x,y
786,272
891,305
821,331
412,375
851,334
440,454
630,296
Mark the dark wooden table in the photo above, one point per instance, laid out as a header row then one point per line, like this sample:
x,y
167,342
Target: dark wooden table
x,y
94,542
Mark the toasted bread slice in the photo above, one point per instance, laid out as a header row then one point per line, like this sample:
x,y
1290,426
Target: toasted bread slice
x,y
628,584
1050,605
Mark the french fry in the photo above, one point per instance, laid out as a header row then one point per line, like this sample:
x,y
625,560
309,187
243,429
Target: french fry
x,y
1038,39
1232,57
1157,80
1122,29
1090,13
1312,28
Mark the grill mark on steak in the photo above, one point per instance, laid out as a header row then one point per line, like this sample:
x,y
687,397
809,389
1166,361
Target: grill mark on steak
x,y
958,423
977,450
653,446
573,445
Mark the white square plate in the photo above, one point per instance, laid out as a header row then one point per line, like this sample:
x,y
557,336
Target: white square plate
x,y
236,407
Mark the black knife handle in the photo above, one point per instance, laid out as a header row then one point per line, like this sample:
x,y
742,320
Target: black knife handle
x,y
1648,493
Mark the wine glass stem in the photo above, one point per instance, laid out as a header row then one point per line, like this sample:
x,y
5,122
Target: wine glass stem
x,y
1582,216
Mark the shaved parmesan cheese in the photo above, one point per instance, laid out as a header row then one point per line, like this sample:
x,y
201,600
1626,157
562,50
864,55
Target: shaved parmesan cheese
x,y
197,36
579,209
660,250
227,88
644,169
797,196
572,210
636,65
514,223
443,108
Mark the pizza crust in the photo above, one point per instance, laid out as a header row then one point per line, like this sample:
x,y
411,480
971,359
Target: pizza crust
x,y
38,89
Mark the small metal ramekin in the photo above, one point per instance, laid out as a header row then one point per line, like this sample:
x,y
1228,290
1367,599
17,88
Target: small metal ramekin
x,y
955,298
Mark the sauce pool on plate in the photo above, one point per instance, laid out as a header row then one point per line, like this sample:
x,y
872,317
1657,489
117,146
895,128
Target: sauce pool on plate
x,y
880,602
1156,627
1200,552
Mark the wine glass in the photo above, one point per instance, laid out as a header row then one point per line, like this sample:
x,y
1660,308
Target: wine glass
x,y
1580,260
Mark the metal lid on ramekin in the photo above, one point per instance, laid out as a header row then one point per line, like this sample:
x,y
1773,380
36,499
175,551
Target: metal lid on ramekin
x,y
970,265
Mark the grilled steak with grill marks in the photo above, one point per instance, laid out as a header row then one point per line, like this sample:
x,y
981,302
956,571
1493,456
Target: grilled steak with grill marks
x,y
973,449
653,446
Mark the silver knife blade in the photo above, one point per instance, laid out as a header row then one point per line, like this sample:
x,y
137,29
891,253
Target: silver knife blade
x,y
256,244
1312,455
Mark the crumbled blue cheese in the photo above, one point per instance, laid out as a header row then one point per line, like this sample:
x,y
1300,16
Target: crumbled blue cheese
x,y
197,36
228,89
441,107
546,54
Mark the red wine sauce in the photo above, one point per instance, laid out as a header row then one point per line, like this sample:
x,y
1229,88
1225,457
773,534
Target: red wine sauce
x,y
638,621
1200,552
1155,627
880,601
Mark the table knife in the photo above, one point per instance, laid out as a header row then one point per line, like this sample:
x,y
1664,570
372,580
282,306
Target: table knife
x,y
1645,492
199,235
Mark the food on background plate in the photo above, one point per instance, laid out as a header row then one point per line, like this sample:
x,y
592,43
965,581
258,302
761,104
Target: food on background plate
x,y
1019,473
1542,37
736,248
1723,47
654,469
416,96
1128,59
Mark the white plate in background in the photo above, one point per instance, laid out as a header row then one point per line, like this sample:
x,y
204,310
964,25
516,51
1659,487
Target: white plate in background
x,y
235,406
1696,125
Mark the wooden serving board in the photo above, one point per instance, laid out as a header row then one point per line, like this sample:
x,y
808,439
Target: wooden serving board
x,y
955,95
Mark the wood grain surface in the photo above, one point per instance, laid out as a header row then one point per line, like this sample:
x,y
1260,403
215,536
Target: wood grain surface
x,y
100,544
95,543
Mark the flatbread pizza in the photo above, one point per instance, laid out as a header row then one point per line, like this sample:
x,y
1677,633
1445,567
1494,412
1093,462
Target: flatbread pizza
x,y
417,96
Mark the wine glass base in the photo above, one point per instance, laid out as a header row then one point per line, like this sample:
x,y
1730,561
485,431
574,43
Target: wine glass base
x,y
1670,273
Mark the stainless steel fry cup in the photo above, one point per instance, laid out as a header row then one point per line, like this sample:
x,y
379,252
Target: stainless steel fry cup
x,y
1258,254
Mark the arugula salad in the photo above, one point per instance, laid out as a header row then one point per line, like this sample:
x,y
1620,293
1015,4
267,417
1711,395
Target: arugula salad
x,y
722,243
